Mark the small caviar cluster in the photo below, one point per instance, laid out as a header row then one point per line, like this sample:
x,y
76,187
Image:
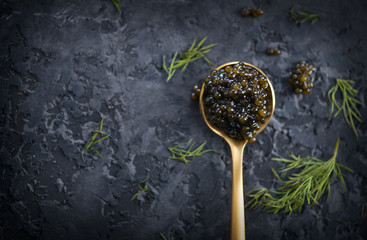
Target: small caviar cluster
x,y
302,78
273,51
237,100
252,12
195,92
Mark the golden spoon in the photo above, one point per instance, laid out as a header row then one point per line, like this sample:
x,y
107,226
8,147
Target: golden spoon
x,y
237,146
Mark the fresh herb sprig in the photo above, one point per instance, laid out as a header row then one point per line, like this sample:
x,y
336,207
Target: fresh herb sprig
x,y
194,53
143,188
310,183
301,17
188,155
117,4
88,147
349,105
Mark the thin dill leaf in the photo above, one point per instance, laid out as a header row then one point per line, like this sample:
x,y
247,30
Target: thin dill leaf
x,y
340,175
208,61
117,5
164,64
163,237
83,152
101,124
345,167
144,180
209,150
189,149
276,174
201,43
209,46
357,115
192,45
173,60
331,95
101,139
91,141
135,195
96,151
169,70
282,160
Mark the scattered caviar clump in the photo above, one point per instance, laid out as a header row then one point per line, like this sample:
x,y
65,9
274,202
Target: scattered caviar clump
x,y
302,78
195,92
237,100
251,12
273,51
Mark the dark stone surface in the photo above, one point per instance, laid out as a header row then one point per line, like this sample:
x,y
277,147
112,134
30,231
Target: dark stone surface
x,y
64,64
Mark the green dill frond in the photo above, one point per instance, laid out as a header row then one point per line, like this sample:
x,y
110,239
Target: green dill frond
x,y
92,141
349,102
188,155
309,181
194,53
143,186
302,16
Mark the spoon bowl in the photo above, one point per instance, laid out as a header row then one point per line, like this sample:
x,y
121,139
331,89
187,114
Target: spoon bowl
x,y
237,146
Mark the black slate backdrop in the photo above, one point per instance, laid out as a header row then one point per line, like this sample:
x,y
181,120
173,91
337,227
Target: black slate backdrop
x,y
64,64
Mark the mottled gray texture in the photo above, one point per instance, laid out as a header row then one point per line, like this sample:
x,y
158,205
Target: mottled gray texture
x,y
64,64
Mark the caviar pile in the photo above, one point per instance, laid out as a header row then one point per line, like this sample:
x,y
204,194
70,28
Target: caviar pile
x,y
254,13
302,78
273,51
237,99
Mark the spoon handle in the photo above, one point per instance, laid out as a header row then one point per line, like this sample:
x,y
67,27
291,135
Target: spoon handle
x,y
237,209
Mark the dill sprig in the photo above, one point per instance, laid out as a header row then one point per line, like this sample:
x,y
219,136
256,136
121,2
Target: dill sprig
x,y
143,188
194,53
188,155
349,105
117,4
88,147
300,17
310,182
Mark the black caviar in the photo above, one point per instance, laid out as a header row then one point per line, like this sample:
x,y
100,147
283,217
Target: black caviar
x,y
195,92
251,12
257,13
237,99
302,78
273,51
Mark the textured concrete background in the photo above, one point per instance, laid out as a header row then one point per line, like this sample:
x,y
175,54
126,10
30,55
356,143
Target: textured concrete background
x,y
64,64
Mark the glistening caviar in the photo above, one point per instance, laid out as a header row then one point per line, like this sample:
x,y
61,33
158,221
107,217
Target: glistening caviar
x,y
302,78
237,100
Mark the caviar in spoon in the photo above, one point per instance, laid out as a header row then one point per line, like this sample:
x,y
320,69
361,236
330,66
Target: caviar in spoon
x,y
237,101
